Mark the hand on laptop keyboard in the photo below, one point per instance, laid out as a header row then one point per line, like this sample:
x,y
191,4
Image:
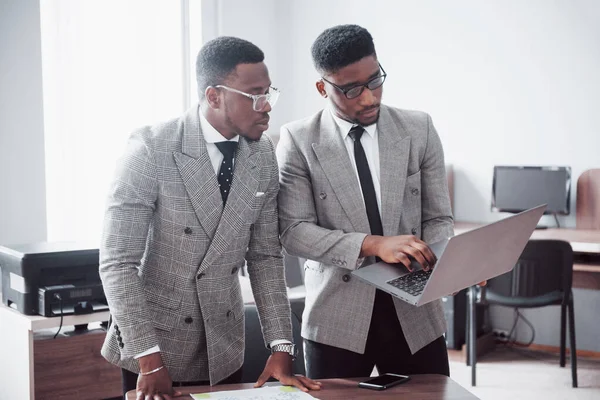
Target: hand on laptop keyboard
x,y
399,250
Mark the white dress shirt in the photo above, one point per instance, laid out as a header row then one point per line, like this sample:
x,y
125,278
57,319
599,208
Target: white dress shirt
x,y
211,136
370,143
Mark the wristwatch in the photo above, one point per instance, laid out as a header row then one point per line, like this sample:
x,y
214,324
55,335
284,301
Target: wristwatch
x,y
289,348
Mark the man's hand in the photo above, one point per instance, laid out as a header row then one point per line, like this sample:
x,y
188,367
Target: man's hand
x,y
399,249
279,366
157,385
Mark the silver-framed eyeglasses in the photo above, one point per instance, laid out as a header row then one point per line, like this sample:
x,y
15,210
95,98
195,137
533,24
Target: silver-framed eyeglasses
x,y
259,101
355,91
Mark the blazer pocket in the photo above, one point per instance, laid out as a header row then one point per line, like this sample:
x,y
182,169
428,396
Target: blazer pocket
x,y
413,175
164,319
162,297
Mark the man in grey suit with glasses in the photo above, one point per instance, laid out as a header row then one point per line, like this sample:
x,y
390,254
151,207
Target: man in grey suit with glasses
x,y
193,200
361,181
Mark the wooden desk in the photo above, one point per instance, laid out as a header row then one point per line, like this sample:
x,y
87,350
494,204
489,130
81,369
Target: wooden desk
x,y
586,249
68,367
422,387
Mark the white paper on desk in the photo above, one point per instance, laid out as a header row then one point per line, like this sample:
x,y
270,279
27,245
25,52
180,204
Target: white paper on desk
x,y
264,393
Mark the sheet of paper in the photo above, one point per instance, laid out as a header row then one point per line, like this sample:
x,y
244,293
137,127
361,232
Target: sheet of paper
x,y
264,393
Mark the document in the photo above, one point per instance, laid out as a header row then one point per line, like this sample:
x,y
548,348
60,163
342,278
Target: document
x,y
264,393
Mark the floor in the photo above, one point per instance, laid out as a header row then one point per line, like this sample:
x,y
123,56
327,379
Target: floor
x,y
509,373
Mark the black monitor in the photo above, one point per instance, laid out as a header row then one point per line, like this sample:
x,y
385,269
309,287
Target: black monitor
x,y
518,188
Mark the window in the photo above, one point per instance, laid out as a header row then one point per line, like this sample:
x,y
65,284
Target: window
x,y
109,67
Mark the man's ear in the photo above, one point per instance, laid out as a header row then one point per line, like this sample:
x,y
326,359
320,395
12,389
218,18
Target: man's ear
x,y
213,97
321,88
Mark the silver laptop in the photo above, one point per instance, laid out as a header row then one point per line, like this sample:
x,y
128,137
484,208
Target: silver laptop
x,y
463,260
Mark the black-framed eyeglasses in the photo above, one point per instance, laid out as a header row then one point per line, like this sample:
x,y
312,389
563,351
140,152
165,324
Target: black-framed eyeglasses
x,y
355,91
259,101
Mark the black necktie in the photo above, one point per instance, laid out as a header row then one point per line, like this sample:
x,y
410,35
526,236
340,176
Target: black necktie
x,y
366,182
225,174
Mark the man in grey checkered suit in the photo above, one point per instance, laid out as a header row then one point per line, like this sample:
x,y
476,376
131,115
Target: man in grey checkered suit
x,y
194,199
359,181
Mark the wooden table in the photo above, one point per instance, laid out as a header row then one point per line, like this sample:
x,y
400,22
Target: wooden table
x,y
586,249
422,387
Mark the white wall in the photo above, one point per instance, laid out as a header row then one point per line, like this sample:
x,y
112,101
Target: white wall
x,y
512,82
22,181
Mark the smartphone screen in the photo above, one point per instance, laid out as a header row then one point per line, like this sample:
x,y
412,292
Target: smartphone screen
x,y
384,381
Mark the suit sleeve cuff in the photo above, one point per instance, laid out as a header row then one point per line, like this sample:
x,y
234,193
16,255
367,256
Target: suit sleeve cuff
x,y
151,350
274,342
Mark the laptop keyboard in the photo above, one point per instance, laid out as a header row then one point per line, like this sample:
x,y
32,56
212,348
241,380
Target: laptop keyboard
x,y
412,283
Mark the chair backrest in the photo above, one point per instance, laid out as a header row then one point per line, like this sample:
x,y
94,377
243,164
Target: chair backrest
x,y
256,354
545,266
587,211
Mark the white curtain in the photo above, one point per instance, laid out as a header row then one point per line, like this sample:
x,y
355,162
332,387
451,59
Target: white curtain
x,y
109,67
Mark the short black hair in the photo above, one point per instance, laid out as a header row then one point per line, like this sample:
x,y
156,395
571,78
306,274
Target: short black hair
x,y
341,46
219,57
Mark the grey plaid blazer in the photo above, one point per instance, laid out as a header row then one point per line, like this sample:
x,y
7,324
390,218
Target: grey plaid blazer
x,y
170,252
322,218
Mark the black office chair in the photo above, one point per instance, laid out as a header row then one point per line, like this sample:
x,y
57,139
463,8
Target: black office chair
x,y
256,354
542,277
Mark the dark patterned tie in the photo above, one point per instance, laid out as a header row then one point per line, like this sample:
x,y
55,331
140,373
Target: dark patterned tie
x,y
225,174
366,182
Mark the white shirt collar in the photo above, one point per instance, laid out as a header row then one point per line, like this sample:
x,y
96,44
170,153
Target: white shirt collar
x,y
211,135
345,126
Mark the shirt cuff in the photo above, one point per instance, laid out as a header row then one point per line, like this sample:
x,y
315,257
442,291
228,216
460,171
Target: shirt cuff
x,y
151,350
274,342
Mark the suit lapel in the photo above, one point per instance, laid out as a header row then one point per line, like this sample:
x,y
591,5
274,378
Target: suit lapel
x,y
333,157
394,148
198,174
238,208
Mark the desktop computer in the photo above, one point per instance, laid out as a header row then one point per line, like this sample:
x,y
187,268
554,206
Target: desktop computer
x,y
519,188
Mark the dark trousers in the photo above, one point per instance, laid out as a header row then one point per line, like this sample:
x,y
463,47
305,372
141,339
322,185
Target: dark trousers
x,y
386,348
129,380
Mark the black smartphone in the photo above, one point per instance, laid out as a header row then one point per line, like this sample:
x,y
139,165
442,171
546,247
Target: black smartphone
x,y
383,381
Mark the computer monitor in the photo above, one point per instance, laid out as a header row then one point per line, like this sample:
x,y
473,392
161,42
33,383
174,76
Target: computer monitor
x,y
518,188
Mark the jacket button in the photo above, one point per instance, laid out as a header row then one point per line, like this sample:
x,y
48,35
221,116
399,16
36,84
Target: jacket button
x,y
116,328
346,278
322,195
229,313
187,230
414,191
188,320
234,270
414,231
200,275
121,345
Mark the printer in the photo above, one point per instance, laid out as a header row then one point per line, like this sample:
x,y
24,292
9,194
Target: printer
x,y
51,278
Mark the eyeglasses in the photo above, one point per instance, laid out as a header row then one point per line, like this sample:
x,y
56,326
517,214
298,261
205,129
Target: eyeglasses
x,y
259,101
355,91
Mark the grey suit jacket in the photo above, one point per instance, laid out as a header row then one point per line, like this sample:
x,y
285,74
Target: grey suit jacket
x,y
170,252
323,218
